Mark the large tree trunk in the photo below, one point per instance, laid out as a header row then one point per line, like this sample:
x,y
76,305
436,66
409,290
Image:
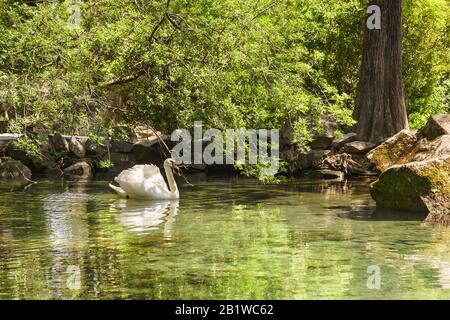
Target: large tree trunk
x,y
380,108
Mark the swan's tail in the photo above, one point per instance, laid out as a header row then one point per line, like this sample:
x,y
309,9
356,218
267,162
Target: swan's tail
x,y
119,191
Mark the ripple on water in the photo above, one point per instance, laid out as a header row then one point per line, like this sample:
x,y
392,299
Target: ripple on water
x,y
224,239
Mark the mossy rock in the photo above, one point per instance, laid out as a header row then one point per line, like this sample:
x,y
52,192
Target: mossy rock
x,y
415,186
394,150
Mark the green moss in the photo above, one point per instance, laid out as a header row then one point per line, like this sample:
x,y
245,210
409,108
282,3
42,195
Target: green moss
x,y
394,151
438,176
381,158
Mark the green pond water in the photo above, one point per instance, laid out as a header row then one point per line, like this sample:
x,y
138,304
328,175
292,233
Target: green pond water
x,y
224,239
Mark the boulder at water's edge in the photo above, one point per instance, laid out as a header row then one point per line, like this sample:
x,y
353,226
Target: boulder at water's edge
x,y
415,170
415,186
14,170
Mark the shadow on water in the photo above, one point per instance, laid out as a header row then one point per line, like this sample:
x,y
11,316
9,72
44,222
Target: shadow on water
x,y
371,213
240,190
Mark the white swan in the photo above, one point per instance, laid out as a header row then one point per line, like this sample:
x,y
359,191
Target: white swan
x,y
146,182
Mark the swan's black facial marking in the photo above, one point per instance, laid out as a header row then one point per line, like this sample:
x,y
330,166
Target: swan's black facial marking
x,y
172,163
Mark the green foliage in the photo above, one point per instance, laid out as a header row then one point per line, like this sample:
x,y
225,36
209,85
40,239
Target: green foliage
x,y
228,63
15,126
425,62
95,140
29,146
437,102
105,164
120,135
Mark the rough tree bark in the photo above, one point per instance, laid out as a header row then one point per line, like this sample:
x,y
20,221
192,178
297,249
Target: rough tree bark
x,y
380,108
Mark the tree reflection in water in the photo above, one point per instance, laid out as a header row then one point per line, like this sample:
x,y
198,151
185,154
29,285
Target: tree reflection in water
x,y
299,240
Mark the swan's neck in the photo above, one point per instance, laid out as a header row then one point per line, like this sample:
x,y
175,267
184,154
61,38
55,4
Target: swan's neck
x,y
172,184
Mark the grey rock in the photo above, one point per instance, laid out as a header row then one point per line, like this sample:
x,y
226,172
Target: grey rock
x,y
58,142
149,151
358,147
121,146
79,170
346,138
416,186
393,150
122,159
301,160
321,143
41,164
426,149
18,154
329,127
14,170
437,125
416,174
316,156
6,139
331,174
408,146
95,149
77,148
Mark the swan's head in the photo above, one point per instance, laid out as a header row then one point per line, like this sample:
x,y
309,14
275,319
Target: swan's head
x,y
170,163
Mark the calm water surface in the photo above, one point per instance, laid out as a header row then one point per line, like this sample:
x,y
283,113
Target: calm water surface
x,y
224,239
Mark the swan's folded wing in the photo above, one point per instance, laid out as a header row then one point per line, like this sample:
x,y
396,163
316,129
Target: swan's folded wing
x,y
142,181
131,175
154,176
154,184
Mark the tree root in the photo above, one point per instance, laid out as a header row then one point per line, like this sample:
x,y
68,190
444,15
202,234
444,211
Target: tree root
x,y
344,162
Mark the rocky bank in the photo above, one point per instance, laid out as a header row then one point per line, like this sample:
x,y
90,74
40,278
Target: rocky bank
x,y
413,167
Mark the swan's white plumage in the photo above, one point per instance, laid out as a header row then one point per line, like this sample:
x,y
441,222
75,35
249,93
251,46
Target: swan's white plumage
x,y
118,190
146,182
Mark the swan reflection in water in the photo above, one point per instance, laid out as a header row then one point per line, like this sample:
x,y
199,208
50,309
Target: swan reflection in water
x,y
141,216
